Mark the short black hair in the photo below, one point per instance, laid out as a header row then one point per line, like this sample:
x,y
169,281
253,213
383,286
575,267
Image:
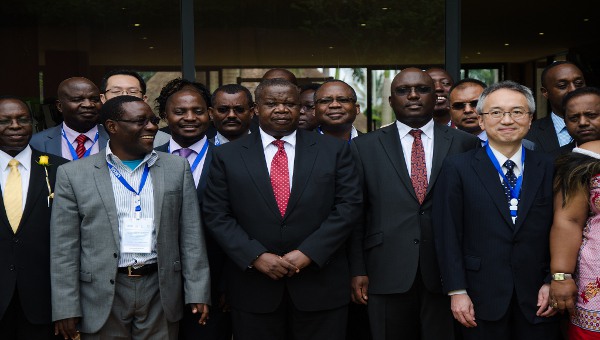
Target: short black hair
x,y
125,73
354,97
232,89
11,97
467,81
113,108
582,91
175,86
551,66
310,86
273,82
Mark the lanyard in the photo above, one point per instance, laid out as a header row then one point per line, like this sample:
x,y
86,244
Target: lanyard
x,y
137,200
217,140
321,132
73,152
198,157
516,190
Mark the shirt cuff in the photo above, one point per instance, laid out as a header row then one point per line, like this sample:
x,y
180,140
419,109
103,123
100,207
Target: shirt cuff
x,y
456,292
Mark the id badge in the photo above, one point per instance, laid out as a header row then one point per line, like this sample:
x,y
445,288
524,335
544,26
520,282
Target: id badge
x,y
136,235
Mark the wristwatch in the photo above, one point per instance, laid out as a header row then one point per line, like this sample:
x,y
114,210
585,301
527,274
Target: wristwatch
x,y
561,276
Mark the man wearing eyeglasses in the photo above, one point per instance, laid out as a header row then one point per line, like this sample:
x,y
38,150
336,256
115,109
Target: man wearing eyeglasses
x,y
308,121
126,236
492,214
231,112
393,260
336,109
463,100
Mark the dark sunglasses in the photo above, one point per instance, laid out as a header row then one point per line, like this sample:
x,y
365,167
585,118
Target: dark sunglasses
x,y
462,105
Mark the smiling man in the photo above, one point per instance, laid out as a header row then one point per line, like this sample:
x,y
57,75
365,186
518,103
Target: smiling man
x,y
126,236
282,203
442,83
336,109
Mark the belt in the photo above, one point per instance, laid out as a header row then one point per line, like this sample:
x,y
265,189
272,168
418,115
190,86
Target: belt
x,y
140,271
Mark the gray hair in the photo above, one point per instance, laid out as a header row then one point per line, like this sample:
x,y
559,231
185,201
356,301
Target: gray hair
x,y
507,85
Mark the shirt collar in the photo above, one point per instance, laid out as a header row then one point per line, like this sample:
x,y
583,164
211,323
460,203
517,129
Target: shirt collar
x,y
404,129
268,139
111,158
482,135
559,123
24,158
516,158
197,147
72,134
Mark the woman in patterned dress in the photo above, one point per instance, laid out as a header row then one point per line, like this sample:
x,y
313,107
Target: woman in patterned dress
x,y
575,240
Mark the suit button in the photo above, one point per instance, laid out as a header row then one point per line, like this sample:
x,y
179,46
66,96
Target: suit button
x,y
15,240
11,267
115,255
416,241
422,212
112,282
283,226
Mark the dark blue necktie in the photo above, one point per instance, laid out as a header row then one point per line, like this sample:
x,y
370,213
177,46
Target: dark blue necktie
x,y
510,176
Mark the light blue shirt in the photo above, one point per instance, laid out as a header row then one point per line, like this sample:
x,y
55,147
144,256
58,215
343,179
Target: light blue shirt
x,y
561,130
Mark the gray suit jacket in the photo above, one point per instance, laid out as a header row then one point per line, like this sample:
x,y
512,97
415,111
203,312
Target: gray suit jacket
x,y
84,216
50,140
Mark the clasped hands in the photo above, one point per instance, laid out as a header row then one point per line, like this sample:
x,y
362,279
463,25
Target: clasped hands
x,y
277,267
563,295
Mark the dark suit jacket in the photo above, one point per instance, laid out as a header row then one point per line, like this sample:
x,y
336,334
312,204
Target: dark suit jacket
x,y
50,140
542,133
25,256
565,149
241,212
396,237
479,248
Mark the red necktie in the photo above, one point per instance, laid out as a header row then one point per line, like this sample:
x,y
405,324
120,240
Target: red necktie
x,y
418,169
80,150
280,177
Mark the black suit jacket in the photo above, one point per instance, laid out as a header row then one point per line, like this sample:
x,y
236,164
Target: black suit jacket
x,y
544,136
25,256
479,247
396,237
241,212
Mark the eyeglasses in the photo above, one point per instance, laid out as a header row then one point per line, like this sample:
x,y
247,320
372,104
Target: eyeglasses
x,y
340,100
515,114
118,91
237,109
20,121
406,90
140,122
463,105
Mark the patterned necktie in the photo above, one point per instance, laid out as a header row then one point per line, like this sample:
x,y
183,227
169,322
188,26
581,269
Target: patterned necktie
x,y
510,176
418,169
185,152
280,177
80,150
13,195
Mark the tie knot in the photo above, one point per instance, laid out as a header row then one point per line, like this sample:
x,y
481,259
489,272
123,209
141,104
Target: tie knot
x,y
416,133
13,163
279,144
81,139
509,165
185,152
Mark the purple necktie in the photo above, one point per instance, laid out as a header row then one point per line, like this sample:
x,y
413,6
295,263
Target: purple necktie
x,y
185,152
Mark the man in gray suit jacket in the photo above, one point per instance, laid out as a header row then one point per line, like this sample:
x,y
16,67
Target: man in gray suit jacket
x,y
126,236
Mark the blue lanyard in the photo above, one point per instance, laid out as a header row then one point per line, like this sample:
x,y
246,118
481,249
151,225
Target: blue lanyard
x,y
516,190
198,157
217,140
138,206
321,132
73,152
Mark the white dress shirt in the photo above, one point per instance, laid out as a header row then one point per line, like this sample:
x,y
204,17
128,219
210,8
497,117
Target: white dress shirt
x,y
24,158
196,148
270,150
407,141
72,135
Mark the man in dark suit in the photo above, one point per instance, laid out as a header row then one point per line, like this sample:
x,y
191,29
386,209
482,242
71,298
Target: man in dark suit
x,y
231,112
582,117
492,216
185,107
336,109
393,260
558,79
25,310
282,203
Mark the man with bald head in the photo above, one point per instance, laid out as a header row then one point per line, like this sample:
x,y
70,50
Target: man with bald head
x,y
79,135
280,73
558,79
392,259
442,82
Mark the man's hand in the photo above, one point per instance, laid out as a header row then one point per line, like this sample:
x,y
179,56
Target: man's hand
x,y
545,309
298,259
274,266
564,293
462,309
360,289
200,308
67,328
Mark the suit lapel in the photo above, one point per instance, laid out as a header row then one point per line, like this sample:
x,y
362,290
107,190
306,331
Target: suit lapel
x,y
491,182
549,137
54,142
441,145
306,154
102,137
104,186
37,182
532,179
390,142
253,156
157,172
204,174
